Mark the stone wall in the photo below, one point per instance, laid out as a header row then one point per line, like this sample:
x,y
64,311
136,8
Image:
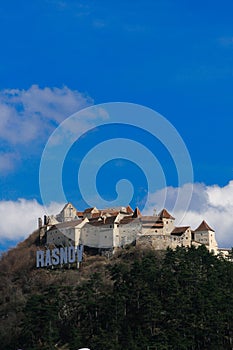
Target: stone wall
x,y
159,242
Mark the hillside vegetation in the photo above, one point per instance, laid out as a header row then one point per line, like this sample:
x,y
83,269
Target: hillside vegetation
x,y
138,299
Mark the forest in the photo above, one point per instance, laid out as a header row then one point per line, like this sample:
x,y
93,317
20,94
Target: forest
x,y
138,299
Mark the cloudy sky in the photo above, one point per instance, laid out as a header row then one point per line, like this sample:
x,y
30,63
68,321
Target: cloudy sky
x,y
175,57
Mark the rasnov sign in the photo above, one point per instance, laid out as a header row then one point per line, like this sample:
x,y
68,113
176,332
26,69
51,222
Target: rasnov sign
x,y
59,256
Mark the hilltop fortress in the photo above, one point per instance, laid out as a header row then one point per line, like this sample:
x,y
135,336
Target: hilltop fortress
x,y
105,230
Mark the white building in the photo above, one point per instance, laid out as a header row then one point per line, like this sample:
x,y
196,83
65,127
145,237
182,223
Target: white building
x,y
65,233
68,213
204,234
108,229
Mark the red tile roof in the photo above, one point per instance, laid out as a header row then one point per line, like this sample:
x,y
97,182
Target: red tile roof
x,y
109,220
129,209
109,211
136,213
178,231
164,214
204,227
151,219
88,210
95,215
128,219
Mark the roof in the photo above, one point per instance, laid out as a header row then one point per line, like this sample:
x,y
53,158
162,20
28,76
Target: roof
x,y
65,224
136,213
152,225
93,218
164,214
204,227
154,219
89,210
95,215
129,209
128,219
178,231
119,209
145,221
95,223
109,220
111,212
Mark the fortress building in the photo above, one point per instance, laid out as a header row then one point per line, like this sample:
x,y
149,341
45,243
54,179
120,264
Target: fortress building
x,y
105,230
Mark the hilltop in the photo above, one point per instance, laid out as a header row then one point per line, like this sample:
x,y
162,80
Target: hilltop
x,y
177,299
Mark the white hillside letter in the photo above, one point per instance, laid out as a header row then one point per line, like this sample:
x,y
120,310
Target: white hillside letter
x,y
63,255
71,255
48,258
55,256
39,258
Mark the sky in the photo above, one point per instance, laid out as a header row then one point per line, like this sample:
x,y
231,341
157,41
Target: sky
x,y
172,57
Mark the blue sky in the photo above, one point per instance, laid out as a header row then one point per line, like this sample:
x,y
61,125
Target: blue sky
x,y
175,57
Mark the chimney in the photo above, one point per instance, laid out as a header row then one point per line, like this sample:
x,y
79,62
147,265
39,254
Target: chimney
x,y
45,220
39,222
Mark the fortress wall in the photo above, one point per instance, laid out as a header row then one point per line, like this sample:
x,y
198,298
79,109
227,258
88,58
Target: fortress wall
x,y
159,242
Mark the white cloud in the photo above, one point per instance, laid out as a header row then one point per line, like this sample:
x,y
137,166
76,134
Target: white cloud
x,y
211,203
27,114
27,117
19,218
